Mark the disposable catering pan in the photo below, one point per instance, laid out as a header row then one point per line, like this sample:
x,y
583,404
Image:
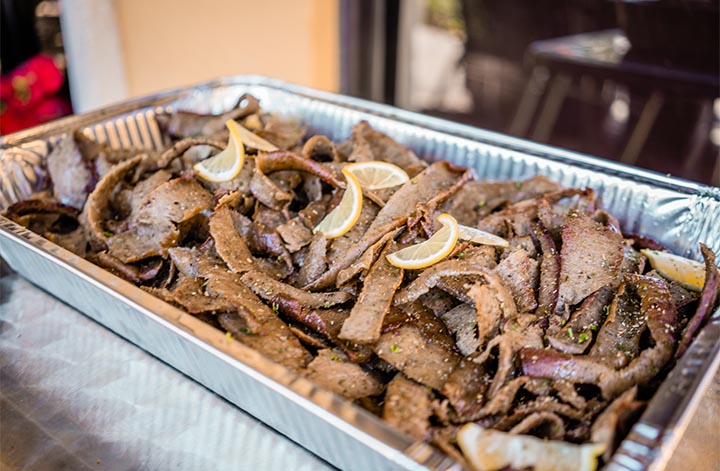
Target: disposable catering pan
x,y
678,213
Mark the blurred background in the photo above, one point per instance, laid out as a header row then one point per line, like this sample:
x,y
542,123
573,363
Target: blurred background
x,y
635,81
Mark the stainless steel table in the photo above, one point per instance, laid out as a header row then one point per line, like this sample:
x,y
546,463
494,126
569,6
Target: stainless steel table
x,y
75,396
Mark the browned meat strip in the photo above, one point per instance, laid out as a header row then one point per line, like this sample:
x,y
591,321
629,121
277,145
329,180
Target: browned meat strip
x,y
549,272
465,389
185,123
408,350
461,322
385,148
580,330
618,340
681,296
320,149
228,243
477,199
267,288
143,188
708,298
408,406
267,192
591,256
508,344
331,369
430,277
366,260
488,311
295,234
315,261
430,325
129,272
277,161
188,293
284,133
182,146
366,318
71,175
501,402
156,227
97,208
610,426
519,272
551,423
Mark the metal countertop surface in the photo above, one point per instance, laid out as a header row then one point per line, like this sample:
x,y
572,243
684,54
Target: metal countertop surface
x,y
75,396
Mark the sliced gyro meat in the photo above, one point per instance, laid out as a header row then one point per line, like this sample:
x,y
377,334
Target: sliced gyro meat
x,y
366,318
408,406
156,227
465,390
71,174
577,335
385,148
419,358
618,339
229,244
519,272
321,149
97,209
591,257
461,321
332,370
267,288
549,272
186,123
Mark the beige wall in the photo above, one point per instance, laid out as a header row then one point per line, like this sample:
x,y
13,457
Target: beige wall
x,y
170,43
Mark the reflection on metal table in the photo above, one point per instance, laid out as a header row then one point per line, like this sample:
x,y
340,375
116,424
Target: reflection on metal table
x,y
77,397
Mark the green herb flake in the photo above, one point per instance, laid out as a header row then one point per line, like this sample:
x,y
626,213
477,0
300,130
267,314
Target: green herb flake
x,y
394,348
280,350
518,185
326,305
583,337
481,203
108,234
335,357
275,307
570,333
414,180
460,255
245,330
279,258
593,326
205,283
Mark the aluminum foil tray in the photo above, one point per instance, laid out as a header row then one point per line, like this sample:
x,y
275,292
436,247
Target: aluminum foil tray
x,y
678,213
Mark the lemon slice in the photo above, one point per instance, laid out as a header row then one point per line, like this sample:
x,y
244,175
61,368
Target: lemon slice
x,y
341,219
490,450
689,273
432,250
375,175
253,141
226,164
481,237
